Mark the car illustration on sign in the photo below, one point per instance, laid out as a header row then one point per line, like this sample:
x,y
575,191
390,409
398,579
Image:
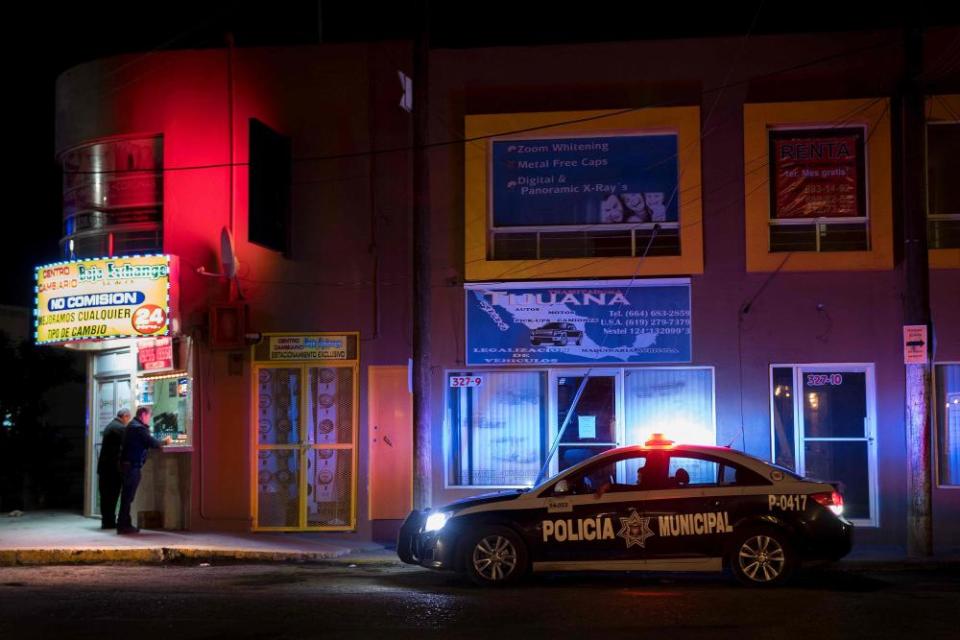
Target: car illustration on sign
x,y
557,333
657,507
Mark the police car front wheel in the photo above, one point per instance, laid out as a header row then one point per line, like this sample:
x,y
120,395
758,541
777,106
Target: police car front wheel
x,y
495,556
762,557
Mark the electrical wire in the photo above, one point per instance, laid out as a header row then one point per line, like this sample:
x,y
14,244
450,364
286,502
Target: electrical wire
x,y
514,132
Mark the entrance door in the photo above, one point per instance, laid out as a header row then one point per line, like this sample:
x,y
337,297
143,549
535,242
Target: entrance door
x,y
593,427
391,443
110,395
305,447
834,440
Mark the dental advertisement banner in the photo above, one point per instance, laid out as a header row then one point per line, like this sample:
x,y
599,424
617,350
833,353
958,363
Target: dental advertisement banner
x,y
603,180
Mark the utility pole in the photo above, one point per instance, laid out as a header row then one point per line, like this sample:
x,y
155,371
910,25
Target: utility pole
x,y
916,299
422,423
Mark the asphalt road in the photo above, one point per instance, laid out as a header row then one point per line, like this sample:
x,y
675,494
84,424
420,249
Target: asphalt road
x,y
300,601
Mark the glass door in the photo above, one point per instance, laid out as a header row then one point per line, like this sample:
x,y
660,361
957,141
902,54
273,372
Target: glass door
x,y
110,395
835,435
593,426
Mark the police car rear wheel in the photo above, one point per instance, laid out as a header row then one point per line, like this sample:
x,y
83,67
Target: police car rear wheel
x,y
495,556
762,558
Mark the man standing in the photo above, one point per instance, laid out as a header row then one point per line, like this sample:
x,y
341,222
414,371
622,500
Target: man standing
x,y
137,441
108,469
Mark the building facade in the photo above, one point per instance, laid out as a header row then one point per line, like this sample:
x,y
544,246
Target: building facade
x,y
625,238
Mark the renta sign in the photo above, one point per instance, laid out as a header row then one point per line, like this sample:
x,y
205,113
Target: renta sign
x,y
104,298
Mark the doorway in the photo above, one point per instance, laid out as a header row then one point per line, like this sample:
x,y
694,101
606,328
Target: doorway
x,y
391,442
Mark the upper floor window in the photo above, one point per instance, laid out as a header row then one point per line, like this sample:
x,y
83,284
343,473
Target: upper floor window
x,y
584,194
577,197
818,187
113,198
270,176
943,188
818,190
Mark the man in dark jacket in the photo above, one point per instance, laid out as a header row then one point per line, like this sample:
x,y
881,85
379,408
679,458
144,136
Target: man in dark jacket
x,y
108,468
137,441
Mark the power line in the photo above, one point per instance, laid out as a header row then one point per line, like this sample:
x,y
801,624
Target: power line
x,y
513,132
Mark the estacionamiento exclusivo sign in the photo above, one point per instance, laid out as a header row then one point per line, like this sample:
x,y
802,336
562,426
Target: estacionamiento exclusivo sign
x,y
102,298
641,321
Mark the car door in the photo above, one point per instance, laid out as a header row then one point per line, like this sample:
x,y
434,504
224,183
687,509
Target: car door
x,y
590,520
687,521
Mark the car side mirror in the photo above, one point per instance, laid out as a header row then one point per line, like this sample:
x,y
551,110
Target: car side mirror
x,y
561,488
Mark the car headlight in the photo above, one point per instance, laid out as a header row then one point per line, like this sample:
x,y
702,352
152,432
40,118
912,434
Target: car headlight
x,y
435,521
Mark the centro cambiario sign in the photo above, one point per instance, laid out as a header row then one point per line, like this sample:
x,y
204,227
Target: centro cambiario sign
x,y
123,297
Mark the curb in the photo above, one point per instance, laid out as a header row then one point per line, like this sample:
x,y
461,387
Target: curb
x,y
170,555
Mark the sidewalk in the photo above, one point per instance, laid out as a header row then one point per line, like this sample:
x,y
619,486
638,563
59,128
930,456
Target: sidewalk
x,y
56,537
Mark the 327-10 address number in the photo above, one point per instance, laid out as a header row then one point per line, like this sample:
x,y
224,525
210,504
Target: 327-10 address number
x,y
466,381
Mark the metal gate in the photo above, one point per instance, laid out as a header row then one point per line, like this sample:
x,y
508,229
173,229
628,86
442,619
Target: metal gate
x,y
305,442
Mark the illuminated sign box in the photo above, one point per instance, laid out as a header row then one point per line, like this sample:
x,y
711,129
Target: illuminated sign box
x,y
97,299
155,354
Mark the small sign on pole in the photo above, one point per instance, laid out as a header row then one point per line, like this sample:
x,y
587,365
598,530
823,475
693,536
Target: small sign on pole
x,y
915,344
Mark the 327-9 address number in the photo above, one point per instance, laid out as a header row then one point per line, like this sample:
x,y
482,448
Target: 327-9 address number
x,y
466,381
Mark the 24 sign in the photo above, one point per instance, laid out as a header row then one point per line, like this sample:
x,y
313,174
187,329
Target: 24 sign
x,y
149,318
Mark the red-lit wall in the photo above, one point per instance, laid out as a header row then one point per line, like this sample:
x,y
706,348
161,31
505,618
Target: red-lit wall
x,y
339,101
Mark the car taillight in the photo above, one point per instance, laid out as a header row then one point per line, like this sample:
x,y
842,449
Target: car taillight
x,y
832,501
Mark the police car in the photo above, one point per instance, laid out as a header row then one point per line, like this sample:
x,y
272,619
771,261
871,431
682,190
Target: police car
x,y
657,507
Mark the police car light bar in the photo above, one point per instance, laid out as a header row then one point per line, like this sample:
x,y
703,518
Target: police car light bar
x,y
658,440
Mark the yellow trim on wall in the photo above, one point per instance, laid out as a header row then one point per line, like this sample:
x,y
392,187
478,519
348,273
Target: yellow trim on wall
x,y
945,108
685,121
758,119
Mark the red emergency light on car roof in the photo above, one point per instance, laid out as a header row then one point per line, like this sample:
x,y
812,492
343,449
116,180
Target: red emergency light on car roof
x,y
658,440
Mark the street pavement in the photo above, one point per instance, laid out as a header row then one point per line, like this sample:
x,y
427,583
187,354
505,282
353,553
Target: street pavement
x,y
345,599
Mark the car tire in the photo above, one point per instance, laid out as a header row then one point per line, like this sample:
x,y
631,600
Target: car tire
x,y
535,343
563,342
579,340
495,556
762,557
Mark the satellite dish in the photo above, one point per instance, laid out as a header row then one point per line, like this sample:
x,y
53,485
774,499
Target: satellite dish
x,y
228,254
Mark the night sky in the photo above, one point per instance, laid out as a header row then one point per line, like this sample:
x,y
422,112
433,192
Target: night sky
x,y
45,39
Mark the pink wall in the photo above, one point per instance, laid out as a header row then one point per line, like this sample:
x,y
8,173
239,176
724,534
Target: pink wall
x,y
331,101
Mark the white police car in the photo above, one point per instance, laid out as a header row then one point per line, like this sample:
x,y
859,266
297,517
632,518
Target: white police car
x,y
657,507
